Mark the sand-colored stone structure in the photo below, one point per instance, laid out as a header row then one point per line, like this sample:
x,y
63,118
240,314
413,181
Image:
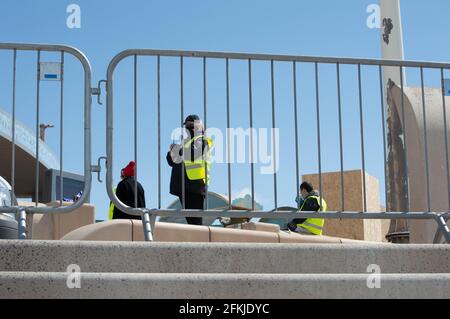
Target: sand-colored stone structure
x,y
360,229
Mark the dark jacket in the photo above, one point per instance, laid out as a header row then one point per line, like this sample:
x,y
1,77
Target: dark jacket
x,y
309,205
125,193
174,160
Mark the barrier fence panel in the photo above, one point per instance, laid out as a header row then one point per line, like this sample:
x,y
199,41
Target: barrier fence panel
x,y
247,83
45,71
178,65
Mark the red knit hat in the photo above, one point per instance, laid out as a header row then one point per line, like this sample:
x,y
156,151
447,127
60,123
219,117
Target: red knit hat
x,y
129,169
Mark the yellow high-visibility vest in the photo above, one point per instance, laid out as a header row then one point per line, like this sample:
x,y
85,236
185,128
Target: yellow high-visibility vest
x,y
196,169
111,207
314,225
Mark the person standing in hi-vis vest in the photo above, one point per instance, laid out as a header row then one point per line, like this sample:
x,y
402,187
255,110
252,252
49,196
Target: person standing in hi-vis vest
x,y
194,152
310,201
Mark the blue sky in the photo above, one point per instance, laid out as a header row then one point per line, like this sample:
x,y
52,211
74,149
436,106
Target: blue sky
x,y
322,27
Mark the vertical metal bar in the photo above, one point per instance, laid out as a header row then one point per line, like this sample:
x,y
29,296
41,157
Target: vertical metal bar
x,y
159,129
273,134
445,135
425,135
205,156
135,133
361,122
251,131
61,131
383,124
38,81
183,195
109,133
319,155
341,148
297,169
228,130
13,131
405,138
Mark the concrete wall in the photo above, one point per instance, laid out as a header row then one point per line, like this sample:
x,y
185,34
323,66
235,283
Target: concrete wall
x,y
38,269
132,230
223,286
55,226
371,230
170,257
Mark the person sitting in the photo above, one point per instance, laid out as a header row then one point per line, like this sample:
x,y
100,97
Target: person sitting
x,y
310,202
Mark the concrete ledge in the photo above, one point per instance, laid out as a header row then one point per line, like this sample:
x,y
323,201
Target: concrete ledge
x,y
273,228
171,232
217,286
290,237
132,230
137,257
230,235
113,230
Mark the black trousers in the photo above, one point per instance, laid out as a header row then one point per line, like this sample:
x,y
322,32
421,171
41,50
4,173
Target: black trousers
x,y
193,201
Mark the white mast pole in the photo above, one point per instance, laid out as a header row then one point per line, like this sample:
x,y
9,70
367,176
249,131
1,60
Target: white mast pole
x,y
391,38
392,49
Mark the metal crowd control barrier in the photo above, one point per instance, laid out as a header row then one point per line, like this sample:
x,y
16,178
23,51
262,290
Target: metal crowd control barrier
x,y
149,215
15,49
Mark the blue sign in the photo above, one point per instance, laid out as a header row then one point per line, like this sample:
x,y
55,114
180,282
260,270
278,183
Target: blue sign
x,y
50,71
51,76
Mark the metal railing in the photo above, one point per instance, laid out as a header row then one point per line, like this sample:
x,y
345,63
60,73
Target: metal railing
x,y
149,215
15,49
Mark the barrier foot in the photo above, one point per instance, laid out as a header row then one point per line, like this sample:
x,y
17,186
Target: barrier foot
x,y
444,228
22,219
147,226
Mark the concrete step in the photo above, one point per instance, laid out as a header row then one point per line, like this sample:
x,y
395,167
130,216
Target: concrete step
x,y
213,286
158,257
